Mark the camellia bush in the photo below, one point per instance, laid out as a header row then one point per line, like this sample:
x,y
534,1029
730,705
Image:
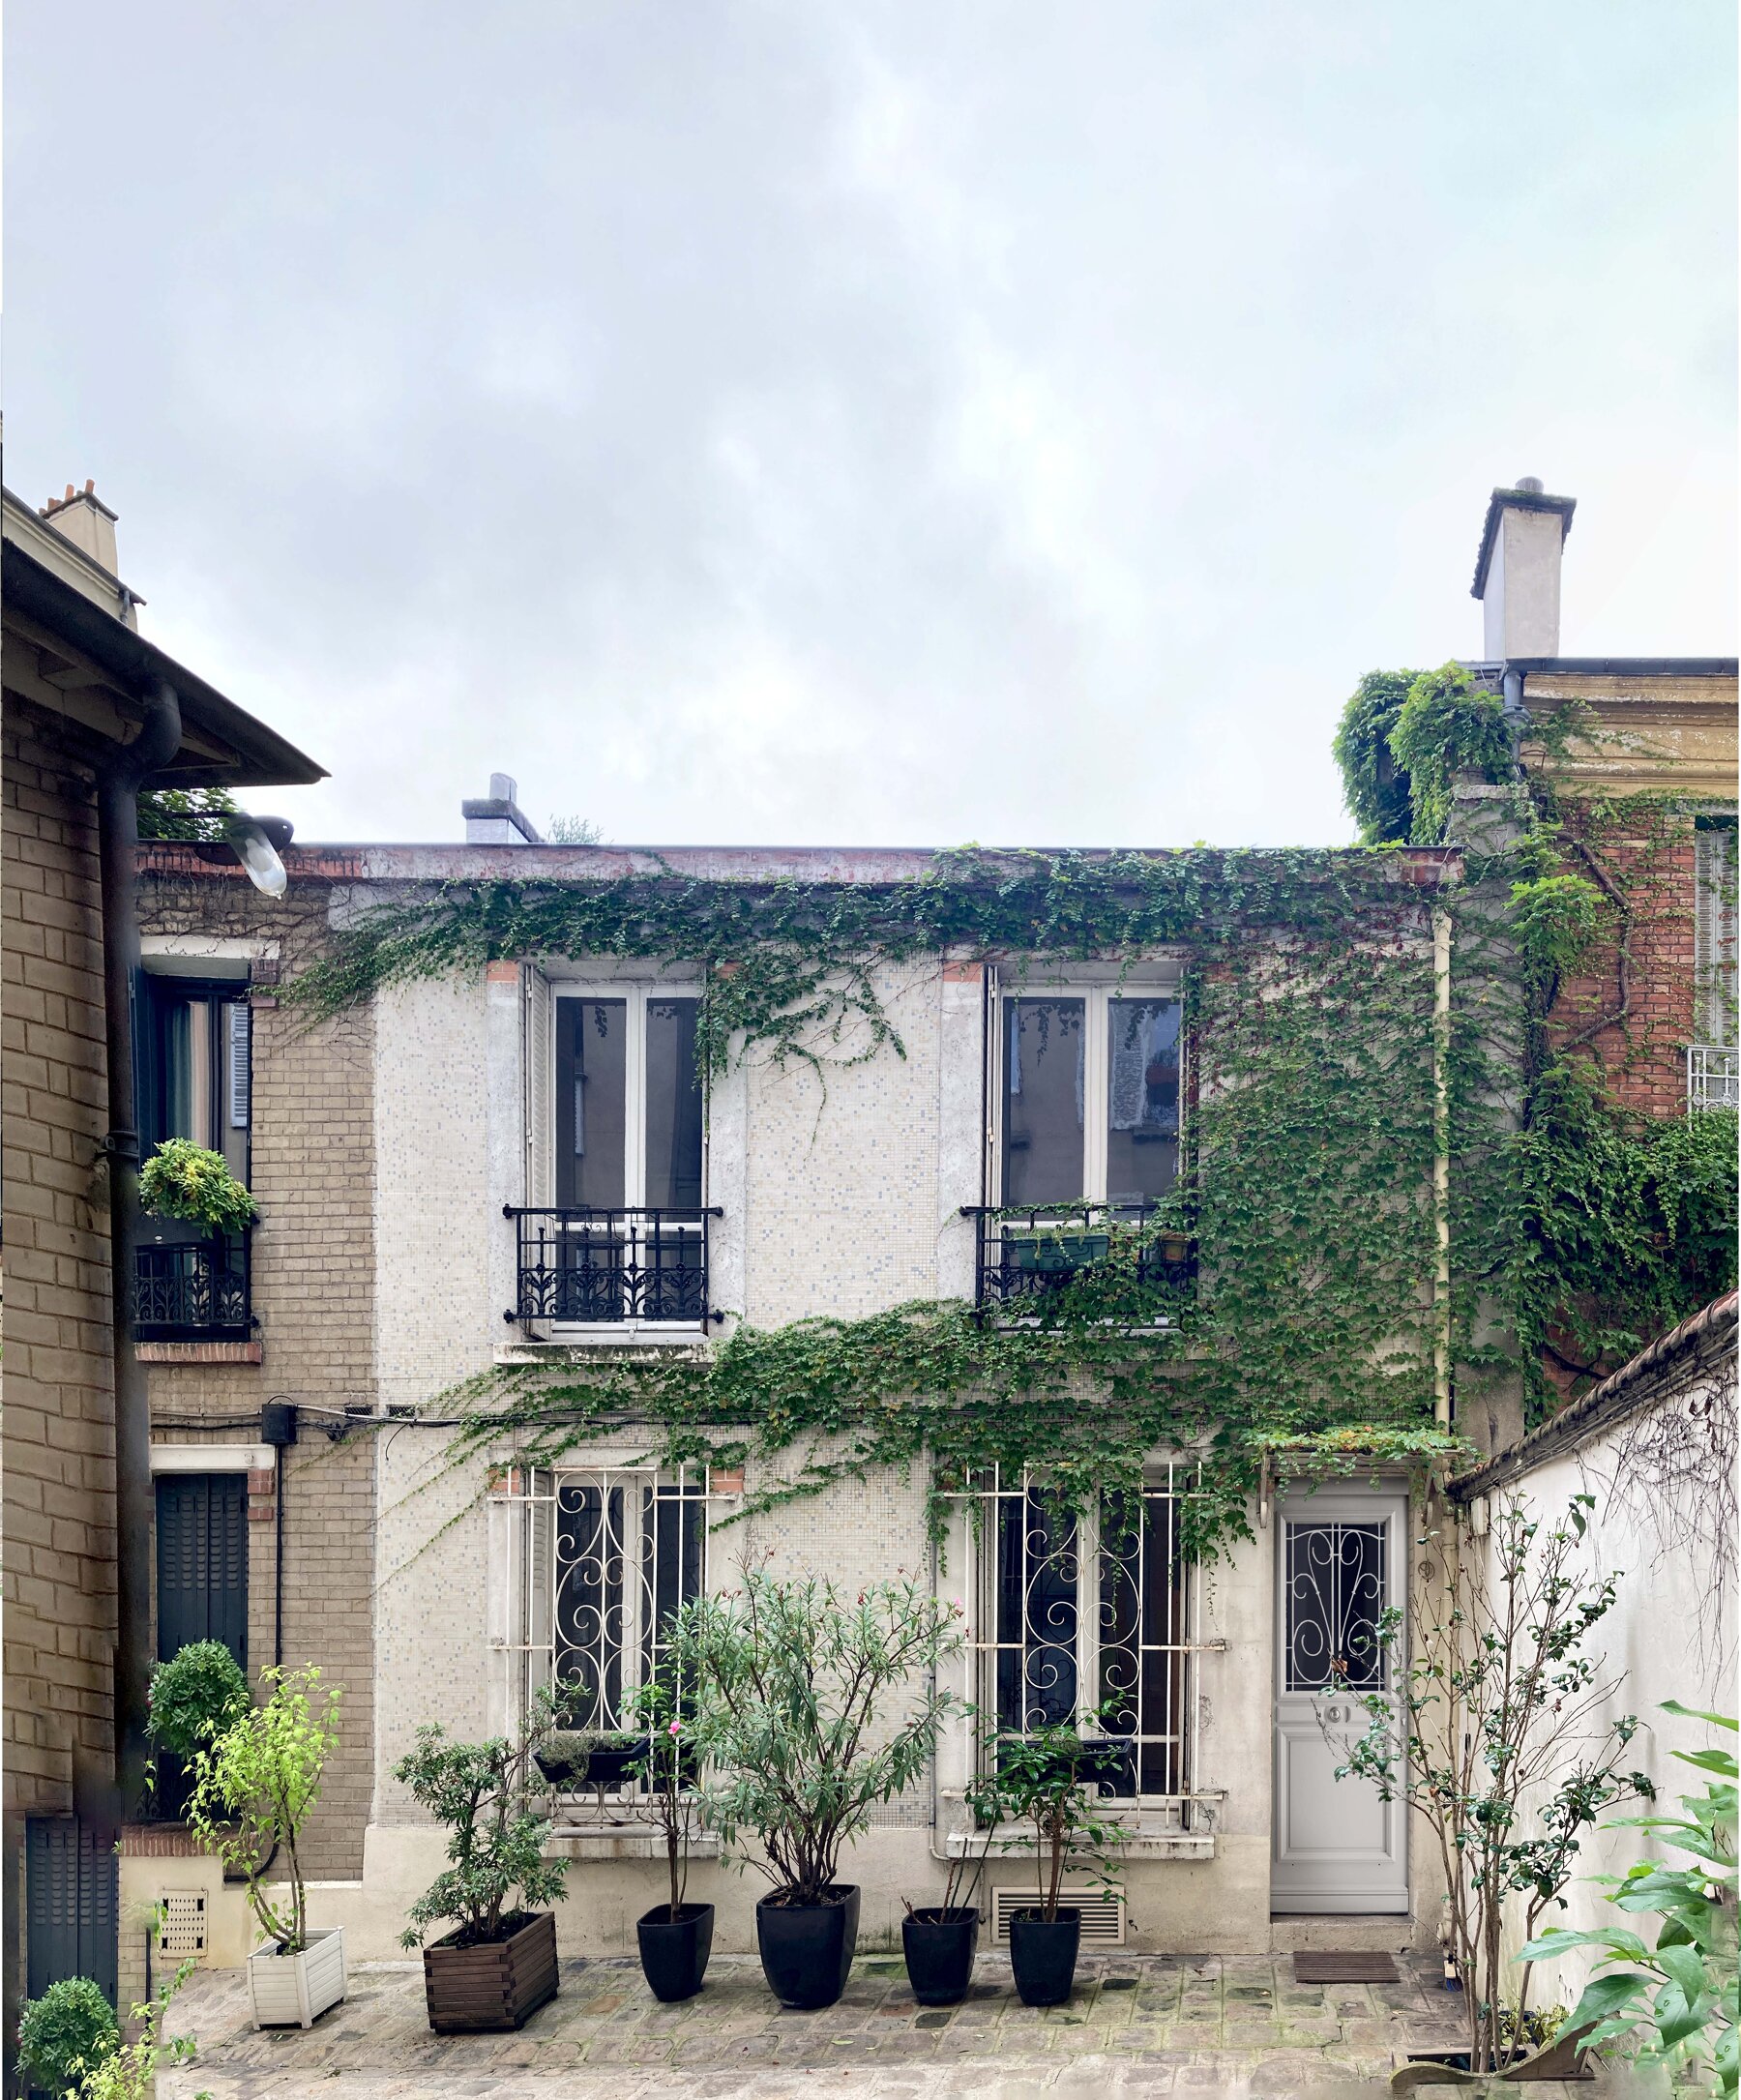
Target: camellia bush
x,y
182,1179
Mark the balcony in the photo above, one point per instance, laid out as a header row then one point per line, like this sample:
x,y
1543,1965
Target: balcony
x,y
1026,1259
621,1270
193,1290
1712,1078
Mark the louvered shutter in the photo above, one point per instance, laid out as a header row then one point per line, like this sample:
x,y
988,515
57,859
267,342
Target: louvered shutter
x,y
71,1906
237,1043
202,1562
536,1021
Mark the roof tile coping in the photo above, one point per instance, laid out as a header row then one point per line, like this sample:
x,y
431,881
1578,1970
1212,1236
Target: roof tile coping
x,y
1707,1334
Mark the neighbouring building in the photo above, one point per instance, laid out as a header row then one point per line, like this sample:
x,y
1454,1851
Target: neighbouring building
x,y
94,712
573,1155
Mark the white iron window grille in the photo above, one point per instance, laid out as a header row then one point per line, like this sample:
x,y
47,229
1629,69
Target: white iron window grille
x,y
1071,1612
587,1570
1713,1076
1336,1601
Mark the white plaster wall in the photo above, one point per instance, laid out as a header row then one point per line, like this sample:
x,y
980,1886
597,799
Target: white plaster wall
x,y
1671,1635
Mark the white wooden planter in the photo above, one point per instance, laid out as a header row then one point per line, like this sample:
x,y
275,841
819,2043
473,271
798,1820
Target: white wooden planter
x,y
294,1990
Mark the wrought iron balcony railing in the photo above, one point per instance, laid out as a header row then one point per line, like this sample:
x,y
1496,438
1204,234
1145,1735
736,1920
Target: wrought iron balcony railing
x,y
193,1290
587,1267
1713,1076
1025,1257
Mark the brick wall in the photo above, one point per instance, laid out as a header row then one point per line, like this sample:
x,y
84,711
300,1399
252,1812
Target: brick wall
x,y
1653,861
313,1172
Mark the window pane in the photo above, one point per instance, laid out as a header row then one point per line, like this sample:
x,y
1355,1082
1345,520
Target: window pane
x,y
1142,1098
1335,1599
591,1075
673,1104
1043,1106
1035,1611
187,1069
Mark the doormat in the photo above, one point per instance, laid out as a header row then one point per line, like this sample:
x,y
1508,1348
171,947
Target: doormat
x,y
1344,1968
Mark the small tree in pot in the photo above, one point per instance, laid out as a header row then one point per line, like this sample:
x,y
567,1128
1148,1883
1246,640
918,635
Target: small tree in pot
x,y
938,1940
498,1963
254,1789
676,1938
795,1677
1047,1777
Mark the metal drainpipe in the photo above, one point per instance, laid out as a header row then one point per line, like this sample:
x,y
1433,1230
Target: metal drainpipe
x,y
118,836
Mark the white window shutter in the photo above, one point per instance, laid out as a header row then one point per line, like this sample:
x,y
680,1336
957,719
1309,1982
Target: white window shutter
x,y
1714,933
536,1021
238,1038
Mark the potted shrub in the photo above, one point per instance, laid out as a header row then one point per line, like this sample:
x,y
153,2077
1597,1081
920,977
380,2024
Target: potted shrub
x,y
793,1681
65,2032
570,1759
1043,1778
676,1938
254,1788
182,1179
195,1696
498,1963
939,1940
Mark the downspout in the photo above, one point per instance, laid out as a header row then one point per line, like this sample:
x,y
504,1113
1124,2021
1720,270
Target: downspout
x,y
1441,1165
118,786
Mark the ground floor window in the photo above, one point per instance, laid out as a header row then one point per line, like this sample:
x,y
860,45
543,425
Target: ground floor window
x,y
1074,1611
588,1569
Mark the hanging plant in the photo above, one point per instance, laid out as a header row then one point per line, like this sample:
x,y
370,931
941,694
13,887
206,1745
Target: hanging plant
x,y
184,1180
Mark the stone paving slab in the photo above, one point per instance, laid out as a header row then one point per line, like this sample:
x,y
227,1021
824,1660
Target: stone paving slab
x,y
1205,2027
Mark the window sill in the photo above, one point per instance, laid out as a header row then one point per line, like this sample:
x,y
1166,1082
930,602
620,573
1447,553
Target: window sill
x,y
621,1840
198,1352
582,1342
1137,1844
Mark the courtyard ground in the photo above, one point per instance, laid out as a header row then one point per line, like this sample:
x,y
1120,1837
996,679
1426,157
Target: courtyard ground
x,y
1137,2024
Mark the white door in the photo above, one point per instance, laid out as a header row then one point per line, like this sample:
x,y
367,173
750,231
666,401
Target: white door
x,y
1340,1558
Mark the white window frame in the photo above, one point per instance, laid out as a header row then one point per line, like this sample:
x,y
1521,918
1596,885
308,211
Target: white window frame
x,y
525,1567
634,992
971,1583
1158,981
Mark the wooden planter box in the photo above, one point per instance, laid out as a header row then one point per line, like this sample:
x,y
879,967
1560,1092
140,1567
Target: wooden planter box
x,y
294,1990
493,1987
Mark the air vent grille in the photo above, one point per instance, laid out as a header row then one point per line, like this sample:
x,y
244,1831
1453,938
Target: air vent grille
x,y
184,1933
1103,1914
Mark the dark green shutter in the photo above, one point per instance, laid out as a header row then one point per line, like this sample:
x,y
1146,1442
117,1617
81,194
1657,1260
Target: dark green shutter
x,y
70,1878
202,1561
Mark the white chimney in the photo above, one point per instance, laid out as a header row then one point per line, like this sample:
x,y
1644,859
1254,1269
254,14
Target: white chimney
x,y
1517,571
498,818
80,515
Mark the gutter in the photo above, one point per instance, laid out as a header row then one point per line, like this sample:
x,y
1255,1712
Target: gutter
x,y
118,834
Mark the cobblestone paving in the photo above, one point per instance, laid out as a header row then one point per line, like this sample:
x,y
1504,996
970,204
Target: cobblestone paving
x,y
1137,2025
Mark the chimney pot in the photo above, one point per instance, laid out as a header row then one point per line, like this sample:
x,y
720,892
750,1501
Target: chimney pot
x,y
1529,484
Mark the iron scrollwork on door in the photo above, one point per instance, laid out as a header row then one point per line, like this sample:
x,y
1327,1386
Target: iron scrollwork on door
x,y
1335,1599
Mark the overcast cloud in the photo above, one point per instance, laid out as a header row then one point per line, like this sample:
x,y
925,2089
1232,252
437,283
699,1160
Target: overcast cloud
x,y
879,423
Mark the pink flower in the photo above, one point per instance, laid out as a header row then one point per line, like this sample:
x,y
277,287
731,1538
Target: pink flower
x,y
676,1728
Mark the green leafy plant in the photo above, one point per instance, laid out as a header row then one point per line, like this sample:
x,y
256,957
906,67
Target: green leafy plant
x,y
1678,2002
255,1787
1448,724
70,2026
668,1770
196,1695
129,2071
1376,788
1490,1731
188,813
182,1179
794,1679
484,1795
1044,1777
572,831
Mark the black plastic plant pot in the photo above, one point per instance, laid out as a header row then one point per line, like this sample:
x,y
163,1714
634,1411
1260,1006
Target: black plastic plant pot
x,y
1044,1955
674,1951
806,1948
939,1947
563,1773
607,1763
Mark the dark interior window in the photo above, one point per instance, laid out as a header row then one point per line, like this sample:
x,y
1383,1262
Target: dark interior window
x,y
591,1101
1043,1104
193,1055
673,1104
1142,1098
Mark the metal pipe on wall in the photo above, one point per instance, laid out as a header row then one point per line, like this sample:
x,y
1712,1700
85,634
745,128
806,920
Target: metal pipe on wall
x,y
118,786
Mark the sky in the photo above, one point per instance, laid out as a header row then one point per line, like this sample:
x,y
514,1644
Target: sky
x,y
801,423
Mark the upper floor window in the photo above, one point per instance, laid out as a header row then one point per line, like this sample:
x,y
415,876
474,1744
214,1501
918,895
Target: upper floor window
x,y
1089,1096
628,1108
193,1054
1714,931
